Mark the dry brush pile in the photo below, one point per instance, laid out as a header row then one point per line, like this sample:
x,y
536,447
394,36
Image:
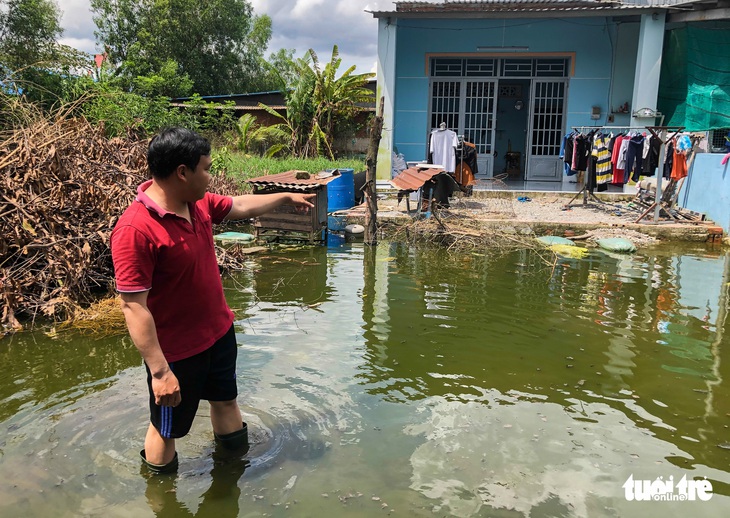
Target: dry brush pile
x,y
63,185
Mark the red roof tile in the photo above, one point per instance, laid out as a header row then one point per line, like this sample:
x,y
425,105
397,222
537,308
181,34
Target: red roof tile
x,y
289,180
413,178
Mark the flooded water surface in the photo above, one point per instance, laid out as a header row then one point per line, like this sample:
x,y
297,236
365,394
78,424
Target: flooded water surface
x,y
399,381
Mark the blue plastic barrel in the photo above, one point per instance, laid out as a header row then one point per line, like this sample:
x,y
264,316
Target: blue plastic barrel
x,y
335,240
341,191
336,223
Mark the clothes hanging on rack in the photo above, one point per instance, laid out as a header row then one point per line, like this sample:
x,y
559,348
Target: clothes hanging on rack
x,y
599,151
634,157
440,188
566,154
442,146
682,146
466,166
651,157
581,152
618,172
668,159
621,159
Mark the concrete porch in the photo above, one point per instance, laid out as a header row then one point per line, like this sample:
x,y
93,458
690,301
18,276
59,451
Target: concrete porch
x,y
494,184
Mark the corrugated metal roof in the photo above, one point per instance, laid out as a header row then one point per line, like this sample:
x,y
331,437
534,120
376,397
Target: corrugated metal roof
x,y
466,3
413,178
227,107
489,5
289,180
480,4
533,6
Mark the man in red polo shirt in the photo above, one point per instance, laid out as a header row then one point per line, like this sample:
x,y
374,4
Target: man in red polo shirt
x,y
172,296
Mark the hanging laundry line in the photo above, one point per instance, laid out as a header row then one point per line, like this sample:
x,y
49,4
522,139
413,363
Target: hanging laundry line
x,y
585,191
660,132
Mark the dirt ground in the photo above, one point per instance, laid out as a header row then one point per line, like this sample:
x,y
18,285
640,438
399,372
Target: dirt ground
x,y
616,218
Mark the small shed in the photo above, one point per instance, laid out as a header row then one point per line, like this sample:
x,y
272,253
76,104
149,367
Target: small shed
x,y
285,221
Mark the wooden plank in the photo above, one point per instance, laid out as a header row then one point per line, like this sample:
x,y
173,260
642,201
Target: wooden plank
x,y
286,225
288,234
294,218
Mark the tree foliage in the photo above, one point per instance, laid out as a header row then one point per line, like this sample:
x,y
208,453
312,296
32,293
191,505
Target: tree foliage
x,y
319,104
30,59
212,47
28,31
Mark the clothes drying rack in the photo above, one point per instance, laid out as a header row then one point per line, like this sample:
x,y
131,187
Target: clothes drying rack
x,y
659,132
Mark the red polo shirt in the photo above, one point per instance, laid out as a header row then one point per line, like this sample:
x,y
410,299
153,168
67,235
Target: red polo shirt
x,y
156,250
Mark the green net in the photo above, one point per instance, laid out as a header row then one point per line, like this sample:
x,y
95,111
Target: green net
x,y
694,90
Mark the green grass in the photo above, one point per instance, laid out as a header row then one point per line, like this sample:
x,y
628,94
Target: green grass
x,y
243,167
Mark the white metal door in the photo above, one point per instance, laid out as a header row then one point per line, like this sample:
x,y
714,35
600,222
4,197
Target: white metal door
x,y
479,114
469,108
547,120
445,103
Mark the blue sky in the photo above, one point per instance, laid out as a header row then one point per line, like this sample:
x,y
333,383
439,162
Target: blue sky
x,y
297,24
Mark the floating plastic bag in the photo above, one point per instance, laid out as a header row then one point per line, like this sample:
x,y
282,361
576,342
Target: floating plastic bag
x,y
572,251
616,244
684,143
555,240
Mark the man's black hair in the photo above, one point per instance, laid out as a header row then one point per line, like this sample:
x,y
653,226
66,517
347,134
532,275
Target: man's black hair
x,y
175,146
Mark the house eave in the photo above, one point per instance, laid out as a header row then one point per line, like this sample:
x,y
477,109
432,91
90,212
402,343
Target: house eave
x,y
700,16
526,13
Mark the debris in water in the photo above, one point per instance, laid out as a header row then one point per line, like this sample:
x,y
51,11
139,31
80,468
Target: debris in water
x,y
290,484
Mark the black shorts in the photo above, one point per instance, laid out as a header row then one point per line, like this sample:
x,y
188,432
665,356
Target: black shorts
x,y
210,375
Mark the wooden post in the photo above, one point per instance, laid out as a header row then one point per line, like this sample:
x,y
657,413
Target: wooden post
x,y
371,197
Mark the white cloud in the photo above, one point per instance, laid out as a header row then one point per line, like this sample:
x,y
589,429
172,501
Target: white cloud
x,y
325,23
83,44
317,24
76,19
303,8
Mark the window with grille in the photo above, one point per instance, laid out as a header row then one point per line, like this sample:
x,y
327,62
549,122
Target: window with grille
x,y
718,139
447,67
474,67
445,103
499,67
517,67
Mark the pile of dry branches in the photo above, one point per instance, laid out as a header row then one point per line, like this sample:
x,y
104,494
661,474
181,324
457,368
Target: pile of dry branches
x,y
63,186
459,234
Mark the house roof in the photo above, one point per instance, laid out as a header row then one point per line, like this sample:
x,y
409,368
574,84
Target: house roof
x,y
250,101
223,107
536,8
413,178
288,180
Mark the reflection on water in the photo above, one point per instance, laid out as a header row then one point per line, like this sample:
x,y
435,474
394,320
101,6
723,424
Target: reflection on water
x,y
409,381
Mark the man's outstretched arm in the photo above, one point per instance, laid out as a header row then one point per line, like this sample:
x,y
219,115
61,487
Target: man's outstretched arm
x,y
253,205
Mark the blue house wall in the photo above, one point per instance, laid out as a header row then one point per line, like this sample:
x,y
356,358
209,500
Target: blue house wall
x,y
602,71
707,188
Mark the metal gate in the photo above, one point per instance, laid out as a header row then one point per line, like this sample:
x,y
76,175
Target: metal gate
x,y
475,121
547,120
479,115
445,104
